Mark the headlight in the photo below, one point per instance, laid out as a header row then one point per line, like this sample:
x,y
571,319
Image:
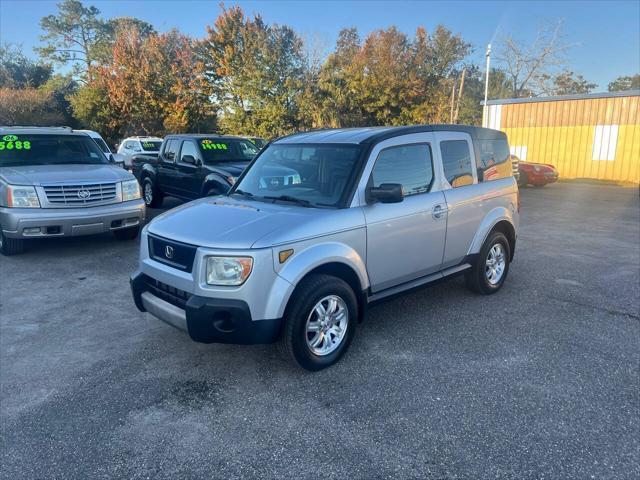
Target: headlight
x,y
228,270
22,197
130,190
537,168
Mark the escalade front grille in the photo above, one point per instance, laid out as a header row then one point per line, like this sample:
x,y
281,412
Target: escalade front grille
x,y
167,293
80,195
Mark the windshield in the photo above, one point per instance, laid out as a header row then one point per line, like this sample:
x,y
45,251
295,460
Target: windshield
x,y
30,149
215,150
151,145
311,174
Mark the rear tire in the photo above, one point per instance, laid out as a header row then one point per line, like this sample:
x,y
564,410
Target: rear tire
x,y
127,233
314,341
522,181
10,246
152,196
492,265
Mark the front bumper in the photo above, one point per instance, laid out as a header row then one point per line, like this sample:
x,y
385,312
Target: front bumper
x,y
205,319
62,222
542,178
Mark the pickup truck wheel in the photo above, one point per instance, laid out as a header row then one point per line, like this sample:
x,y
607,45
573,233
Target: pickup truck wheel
x,y
127,233
152,197
10,246
320,322
491,267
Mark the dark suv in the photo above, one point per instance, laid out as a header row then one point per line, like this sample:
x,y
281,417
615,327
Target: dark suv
x,y
192,166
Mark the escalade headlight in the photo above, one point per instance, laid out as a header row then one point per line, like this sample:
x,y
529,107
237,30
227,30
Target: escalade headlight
x,y
130,190
228,270
22,197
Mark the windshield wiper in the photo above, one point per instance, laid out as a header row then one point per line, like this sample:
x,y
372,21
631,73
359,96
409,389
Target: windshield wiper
x,y
243,193
289,198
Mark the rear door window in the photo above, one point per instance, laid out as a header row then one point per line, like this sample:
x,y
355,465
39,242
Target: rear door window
x,y
456,160
171,150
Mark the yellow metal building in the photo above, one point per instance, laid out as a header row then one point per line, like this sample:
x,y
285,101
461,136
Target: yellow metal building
x,y
584,136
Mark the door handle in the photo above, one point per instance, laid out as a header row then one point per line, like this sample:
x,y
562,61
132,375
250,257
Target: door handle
x,y
439,211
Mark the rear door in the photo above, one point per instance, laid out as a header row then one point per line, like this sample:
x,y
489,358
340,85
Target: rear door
x,y
405,240
462,194
167,174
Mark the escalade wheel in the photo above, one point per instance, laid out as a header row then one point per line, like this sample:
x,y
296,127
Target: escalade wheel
x,y
152,197
10,246
492,265
320,322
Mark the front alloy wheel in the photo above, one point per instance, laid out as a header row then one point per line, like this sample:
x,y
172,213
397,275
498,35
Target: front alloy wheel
x,y
319,322
327,325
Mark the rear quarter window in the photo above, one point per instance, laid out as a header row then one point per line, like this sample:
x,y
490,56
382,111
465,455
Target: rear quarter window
x,y
494,161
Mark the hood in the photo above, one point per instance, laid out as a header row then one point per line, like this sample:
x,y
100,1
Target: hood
x,y
228,223
232,168
50,174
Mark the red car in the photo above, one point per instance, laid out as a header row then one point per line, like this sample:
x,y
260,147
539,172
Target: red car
x,y
536,174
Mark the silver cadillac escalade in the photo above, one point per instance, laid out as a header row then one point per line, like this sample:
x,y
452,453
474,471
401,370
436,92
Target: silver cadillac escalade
x,y
55,182
372,212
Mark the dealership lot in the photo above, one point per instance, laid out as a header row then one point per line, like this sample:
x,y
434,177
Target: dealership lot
x,y
538,381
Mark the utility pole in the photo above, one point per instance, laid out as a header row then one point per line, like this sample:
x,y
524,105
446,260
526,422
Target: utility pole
x,y
455,117
453,100
485,108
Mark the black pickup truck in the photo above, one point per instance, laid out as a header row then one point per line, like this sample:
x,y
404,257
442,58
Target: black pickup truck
x,y
192,166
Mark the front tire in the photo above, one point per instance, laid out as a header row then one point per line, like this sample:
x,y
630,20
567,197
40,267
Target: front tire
x,y
491,267
10,246
522,180
127,233
152,197
320,322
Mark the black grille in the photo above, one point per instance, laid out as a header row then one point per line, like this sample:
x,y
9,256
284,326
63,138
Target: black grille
x,y
167,293
175,254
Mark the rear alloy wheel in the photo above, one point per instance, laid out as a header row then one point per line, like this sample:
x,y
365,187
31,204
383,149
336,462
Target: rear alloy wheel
x,y
491,267
152,197
10,246
319,322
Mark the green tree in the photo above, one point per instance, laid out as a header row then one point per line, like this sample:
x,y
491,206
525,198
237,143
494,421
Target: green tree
x,y
254,73
18,71
566,83
73,37
625,83
473,94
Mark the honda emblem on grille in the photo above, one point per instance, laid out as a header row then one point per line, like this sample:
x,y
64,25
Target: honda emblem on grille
x,y
84,193
168,251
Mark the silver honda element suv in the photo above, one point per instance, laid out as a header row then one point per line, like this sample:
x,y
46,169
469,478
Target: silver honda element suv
x,y
370,212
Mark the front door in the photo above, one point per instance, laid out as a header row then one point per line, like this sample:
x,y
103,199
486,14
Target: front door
x,y
167,172
188,175
405,240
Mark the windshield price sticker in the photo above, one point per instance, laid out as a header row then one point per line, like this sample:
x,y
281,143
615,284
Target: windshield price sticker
x,y
12,142
211,145
148,145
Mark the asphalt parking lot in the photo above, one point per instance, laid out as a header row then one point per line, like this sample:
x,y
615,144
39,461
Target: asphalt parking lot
x,y
539,381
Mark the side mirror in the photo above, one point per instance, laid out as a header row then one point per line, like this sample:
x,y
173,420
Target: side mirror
x,y
111,158
385,193
189,159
